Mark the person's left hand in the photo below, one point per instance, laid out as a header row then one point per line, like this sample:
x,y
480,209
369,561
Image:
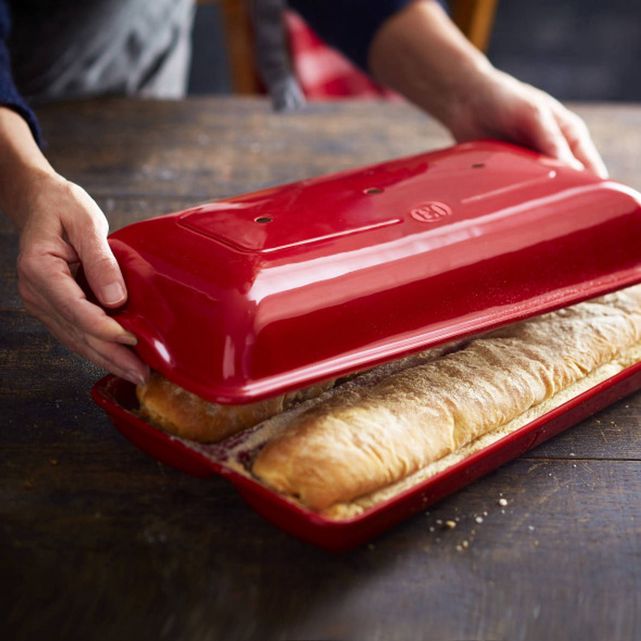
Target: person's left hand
x,y
500,106
420,53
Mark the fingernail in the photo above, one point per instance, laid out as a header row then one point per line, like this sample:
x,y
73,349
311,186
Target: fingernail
x,y
113,293
127,338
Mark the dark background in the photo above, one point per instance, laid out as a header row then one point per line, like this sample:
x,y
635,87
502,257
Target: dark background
x,y
574,49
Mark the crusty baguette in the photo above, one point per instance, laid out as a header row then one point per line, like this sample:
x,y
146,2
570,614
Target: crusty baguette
x,y
186,415
362,439
341,511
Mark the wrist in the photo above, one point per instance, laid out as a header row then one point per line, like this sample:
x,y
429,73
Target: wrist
x,y
468,96
23,167
22,190
421,53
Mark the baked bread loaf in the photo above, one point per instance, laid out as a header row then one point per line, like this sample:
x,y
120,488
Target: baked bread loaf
x,y
179,412
363,438
184,414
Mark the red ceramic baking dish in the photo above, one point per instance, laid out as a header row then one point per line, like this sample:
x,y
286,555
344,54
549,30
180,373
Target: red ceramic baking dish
x,y
262,293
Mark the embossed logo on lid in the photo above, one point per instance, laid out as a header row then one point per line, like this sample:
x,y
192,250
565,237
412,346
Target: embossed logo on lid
x,y
430,212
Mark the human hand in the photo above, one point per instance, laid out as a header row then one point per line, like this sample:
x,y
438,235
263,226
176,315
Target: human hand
x,y
62,227
421,54
499,106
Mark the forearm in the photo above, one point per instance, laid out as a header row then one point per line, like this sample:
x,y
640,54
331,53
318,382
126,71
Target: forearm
x,y
421,54
22,164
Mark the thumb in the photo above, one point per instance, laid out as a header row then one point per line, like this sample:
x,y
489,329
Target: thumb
x,y
102,271
103,274
544,134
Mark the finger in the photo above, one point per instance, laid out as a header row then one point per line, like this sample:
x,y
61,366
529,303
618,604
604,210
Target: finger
x,y
88,236
49,291
109,356
118,359
545,135
578,137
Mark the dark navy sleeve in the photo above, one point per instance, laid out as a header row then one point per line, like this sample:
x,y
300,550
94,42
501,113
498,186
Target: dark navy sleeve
x,y
348,25
9,95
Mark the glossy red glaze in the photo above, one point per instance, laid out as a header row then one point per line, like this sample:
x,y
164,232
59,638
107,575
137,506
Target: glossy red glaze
x,y
118,400
261,293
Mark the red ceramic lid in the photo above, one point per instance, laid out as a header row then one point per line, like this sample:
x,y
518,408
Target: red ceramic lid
x,y
261,293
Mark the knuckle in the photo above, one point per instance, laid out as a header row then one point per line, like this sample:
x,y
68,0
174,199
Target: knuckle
x,y
536,110
77,193
87,216
534,115
579,128
100,261
80,223
102,224
96,221
577,122
27,264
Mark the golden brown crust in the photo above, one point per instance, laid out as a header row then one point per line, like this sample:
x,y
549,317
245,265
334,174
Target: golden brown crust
x,y
364,438
186,415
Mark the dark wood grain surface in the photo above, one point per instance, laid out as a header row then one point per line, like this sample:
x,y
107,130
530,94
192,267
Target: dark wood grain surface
x,y
97,541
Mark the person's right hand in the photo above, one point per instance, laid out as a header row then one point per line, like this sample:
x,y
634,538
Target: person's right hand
x,y
62,228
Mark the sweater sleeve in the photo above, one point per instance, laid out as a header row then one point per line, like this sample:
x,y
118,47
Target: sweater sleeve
x,y
349,25
9,95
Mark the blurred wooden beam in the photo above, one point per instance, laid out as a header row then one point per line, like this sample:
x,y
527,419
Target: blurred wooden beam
x,y
475,18
238,42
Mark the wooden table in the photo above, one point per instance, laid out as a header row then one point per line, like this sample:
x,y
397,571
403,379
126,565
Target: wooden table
x,y
97,541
